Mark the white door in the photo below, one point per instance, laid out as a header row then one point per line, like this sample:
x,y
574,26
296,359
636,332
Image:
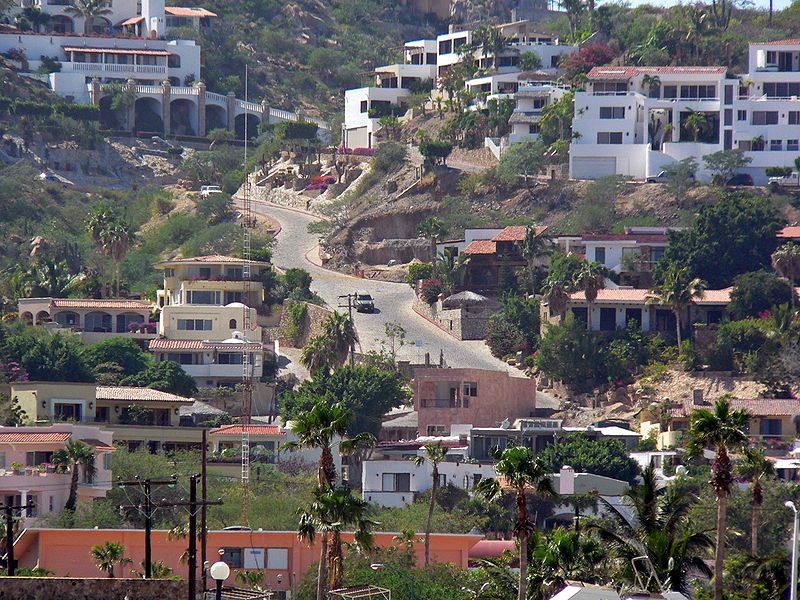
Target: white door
x,y
594,167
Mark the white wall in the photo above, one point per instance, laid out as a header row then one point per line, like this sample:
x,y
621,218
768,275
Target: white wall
x,y
631,158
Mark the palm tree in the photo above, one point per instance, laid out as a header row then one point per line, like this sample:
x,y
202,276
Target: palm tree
x,y
720,430
450,270
75,454
120,238
320,428
519,470
786,261
556,295
755,468
432,454
535,245
52,278
97,225
339,329
677,291
35,17
251,579
107,555
88,10
318,354
432,228
651,83
654,523
332,510
591,278
695,123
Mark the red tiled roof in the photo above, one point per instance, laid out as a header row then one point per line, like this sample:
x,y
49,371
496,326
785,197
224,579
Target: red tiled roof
x,y
98,445
92,303
637,295
759,407
790,232
611,72
643,238
115,51
184,11
30,437
212,258
776,43
516,233
491,548
132,21
137,394
715,297
251,429
165,344
481,247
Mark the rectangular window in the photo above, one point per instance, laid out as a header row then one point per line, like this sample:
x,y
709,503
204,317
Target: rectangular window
x,y
396,482
775,145
446,47
770,427
442,480
458,42
67,412
364,106
608,319
728,116
278,559
195,324
169,272
234,272
792,145
2,460
670,91
233,557
182,358
600,255
728,139
728,94
229,358
741,115
612,112
107,461
434,430
233,297
609,137
471,389
765,117
34,459
794,117
203,297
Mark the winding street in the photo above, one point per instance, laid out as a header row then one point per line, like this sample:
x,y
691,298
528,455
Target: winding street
x,y
392,300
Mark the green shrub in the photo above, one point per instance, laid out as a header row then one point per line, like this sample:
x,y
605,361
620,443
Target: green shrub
x,y
389,156
297,317
430,289
295,130
778,171
417,272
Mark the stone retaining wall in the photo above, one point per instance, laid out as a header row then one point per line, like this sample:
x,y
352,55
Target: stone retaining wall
x,y
460,323
312,325
66,588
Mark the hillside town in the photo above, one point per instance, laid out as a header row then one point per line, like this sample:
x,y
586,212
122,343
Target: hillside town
x,y
431,299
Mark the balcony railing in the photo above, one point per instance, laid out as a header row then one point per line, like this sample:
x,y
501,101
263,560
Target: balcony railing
x,y
114,68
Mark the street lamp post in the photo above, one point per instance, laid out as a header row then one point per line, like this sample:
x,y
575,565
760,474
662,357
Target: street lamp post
x,y
793,584
220,571
384,566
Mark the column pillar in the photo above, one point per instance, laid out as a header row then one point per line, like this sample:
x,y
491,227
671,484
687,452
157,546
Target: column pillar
x,y
23,500
94,92
265,112
130,92
231,105
201,108
166,98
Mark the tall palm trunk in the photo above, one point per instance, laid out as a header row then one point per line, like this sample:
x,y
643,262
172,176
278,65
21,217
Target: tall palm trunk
x,y
719,556
589,315
431,506
678,326
73,489
327,468
522,511
335,571
322,571
754,518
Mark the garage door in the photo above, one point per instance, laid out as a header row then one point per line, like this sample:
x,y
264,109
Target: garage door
x,y
593,168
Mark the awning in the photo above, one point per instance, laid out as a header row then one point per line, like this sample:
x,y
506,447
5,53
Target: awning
x,y
115,51
98,445
132,21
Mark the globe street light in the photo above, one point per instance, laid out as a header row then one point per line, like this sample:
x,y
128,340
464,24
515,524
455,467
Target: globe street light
x,y
793,584
220,571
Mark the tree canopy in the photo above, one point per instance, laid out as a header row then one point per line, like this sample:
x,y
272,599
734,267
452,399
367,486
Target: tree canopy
x,y
608,458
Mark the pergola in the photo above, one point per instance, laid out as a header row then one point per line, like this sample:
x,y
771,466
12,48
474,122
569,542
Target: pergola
x,y
362,592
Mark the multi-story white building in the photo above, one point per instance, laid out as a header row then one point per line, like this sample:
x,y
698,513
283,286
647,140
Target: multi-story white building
x,y
531,98
633,121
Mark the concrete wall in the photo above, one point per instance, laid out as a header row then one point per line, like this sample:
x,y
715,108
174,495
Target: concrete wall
x,y
73,588
462,324
315,315
225,320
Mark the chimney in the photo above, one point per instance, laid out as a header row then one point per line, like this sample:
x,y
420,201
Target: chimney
x,y
566,481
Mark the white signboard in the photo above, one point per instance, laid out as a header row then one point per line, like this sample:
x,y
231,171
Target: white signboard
x,y
253,558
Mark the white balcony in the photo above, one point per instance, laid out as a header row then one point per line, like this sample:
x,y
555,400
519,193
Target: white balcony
x,y
113,68
227,371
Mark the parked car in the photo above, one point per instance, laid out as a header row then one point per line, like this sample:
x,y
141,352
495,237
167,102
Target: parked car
x,y
740,179
364,303
662,178
790,180
207,190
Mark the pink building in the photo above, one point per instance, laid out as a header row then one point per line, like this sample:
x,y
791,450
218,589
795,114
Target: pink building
x,y
482,398
26,472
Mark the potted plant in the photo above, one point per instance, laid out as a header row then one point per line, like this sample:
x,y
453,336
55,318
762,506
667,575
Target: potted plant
x,y
17,468
42,470
50,467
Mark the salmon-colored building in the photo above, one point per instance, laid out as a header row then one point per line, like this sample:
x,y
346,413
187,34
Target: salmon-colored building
x,y
477,397
285,558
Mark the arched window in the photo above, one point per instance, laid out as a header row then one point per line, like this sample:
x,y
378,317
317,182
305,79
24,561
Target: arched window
x,y
232,324
174,61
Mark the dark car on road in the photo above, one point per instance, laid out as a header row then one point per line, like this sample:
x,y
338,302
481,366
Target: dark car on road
x,y
364,303
740,179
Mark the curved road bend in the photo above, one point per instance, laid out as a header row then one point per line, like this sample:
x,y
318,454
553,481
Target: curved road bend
x,y
393,300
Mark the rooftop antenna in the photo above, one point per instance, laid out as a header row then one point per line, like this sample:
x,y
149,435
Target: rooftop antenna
x,y
247,371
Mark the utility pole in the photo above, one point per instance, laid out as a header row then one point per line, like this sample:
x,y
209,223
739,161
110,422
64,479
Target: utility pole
x,y
193,506
148,508
349,307
11,564
203,515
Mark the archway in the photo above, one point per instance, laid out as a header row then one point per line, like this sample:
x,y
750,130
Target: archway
x,y
27,317
182,117
67,318
148,115
111,118
252,125
216,117
60,24
99,26
98,321
42,317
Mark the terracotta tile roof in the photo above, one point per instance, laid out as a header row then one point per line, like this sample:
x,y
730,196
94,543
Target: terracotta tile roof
x,y
132,21
715,297
211,258
91,303
789,232
98,445
611,72
116,51
516,233
165,344
137,394
30,437
642,238
609,295
776,43
481,247
759,407
183,11
251,429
